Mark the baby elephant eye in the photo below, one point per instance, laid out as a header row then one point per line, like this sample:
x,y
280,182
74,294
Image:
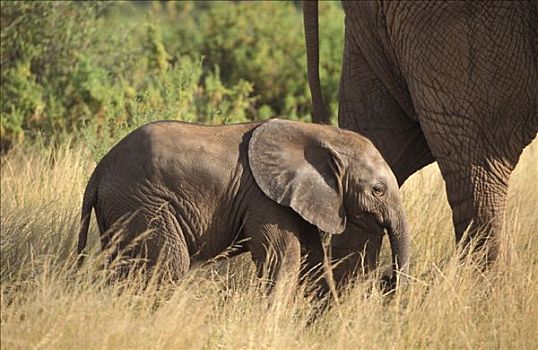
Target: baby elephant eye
x,y
379,190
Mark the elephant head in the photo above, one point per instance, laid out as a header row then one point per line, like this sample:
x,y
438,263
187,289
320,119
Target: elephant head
x,y
334,179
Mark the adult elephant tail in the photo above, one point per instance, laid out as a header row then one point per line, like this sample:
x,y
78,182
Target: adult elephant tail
x,y
88,202
320,112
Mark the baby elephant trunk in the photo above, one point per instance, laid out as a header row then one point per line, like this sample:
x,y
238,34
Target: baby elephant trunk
x,y
399,238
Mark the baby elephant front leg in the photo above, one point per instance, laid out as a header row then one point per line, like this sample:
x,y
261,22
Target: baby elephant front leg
x,y
277,255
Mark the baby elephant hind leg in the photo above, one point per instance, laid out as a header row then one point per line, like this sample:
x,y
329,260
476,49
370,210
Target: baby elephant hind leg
x,y
168,256
156,245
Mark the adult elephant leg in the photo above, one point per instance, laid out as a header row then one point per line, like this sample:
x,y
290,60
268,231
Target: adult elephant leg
x,y
476,174
475,93
477,192
372,105
478,199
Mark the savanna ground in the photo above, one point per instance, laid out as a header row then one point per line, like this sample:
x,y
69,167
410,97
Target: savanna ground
x,y
76,77
47,304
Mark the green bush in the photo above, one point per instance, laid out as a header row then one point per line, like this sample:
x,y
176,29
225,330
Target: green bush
x,y
100,69
263,43
41,43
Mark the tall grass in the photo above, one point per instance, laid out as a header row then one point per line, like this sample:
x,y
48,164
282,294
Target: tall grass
x,y
46,304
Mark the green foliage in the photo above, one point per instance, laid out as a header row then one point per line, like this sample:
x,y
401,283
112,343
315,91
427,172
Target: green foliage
x,y
41,45
174,95
98,70
263,43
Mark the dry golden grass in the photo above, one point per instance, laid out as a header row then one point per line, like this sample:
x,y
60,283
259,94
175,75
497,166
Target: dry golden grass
x,y
46,304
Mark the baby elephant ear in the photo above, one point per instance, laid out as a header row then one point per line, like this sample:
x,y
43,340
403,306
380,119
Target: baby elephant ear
x,y
294,167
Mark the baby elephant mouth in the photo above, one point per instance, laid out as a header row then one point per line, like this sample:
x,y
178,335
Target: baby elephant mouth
x,y
370,224
375,228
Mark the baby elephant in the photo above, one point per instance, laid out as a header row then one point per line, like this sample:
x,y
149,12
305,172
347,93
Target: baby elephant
x,y
196,190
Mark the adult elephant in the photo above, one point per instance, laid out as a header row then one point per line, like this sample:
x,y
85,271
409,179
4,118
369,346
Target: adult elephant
x,y
452,82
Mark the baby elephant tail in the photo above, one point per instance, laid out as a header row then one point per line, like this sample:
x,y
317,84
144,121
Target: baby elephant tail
x,y
88,203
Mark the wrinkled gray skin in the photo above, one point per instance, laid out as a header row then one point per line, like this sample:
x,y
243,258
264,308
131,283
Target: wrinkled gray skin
x,y
452,82
276,185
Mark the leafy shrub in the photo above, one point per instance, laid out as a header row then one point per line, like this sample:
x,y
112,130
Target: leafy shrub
x,y
263,43
41,44
108,67
174,94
